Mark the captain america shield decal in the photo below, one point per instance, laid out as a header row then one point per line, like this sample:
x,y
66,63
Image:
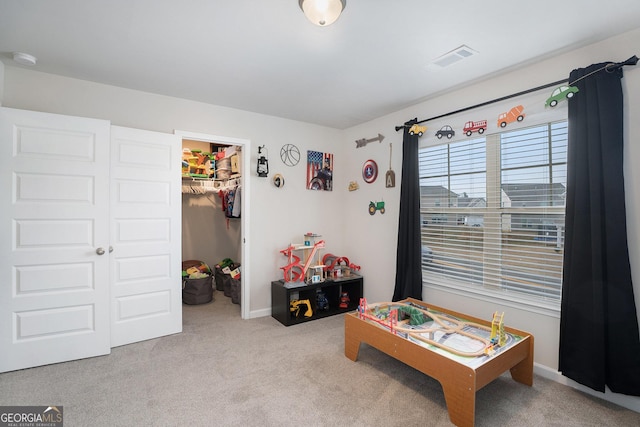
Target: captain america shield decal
x,y
369,171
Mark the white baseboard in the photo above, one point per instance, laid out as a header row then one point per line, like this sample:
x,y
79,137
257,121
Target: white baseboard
x,y
629,402
260,313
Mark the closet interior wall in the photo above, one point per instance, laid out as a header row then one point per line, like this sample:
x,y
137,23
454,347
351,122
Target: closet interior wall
x,y
207,234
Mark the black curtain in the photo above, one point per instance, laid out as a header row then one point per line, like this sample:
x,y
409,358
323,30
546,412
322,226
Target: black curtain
x,y
599,342
408,258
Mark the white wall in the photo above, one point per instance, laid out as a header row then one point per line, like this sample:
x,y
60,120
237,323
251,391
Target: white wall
x,y
207,234
373,239
279,216
1,82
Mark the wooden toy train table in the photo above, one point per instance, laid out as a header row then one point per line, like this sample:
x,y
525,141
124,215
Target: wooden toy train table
x,y
460,376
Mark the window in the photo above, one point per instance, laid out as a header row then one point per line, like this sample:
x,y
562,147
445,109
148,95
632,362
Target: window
x,y
493,213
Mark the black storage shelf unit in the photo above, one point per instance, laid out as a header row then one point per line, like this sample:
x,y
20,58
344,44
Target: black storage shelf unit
x,y
282,296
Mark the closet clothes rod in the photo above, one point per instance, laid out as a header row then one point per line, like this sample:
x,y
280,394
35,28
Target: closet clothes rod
x,y
196,187
201,186
226,183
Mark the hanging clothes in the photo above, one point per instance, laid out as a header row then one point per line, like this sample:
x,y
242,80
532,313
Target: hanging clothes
x,y
223,200
237,203
231,201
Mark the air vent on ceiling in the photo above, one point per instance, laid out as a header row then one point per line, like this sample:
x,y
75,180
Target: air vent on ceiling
x,y
449,58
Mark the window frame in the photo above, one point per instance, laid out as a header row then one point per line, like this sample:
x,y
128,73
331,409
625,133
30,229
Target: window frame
x,y
492,212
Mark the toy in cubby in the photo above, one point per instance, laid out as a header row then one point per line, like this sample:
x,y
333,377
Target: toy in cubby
x,y
314,268
197,164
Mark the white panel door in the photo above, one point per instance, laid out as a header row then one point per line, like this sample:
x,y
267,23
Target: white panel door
x,y
54,262
146,214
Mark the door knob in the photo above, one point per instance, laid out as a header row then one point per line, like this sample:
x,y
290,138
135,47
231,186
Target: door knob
x,y
110,249
100,251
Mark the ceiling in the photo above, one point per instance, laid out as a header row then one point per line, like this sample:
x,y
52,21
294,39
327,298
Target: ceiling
x,y
265,57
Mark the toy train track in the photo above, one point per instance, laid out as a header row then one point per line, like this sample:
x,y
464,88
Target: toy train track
x,y
423,325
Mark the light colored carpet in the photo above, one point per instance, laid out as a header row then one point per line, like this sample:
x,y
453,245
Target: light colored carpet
x,y
224,371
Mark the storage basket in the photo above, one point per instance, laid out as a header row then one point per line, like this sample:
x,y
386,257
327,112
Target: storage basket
x,y
219,278
197,291
235,290
226,285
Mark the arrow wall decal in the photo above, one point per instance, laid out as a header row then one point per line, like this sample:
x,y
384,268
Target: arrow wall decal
x,y
362,142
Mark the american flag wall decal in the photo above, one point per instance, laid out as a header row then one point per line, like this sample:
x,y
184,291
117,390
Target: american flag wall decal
x,y
319,171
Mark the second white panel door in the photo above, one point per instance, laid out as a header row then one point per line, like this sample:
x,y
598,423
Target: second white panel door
x,y
146,266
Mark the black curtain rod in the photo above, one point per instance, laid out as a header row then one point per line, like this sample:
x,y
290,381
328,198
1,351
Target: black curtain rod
x,y
614,66
513,95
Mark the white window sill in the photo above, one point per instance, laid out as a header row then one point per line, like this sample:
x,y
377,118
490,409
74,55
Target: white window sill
x,y
509,299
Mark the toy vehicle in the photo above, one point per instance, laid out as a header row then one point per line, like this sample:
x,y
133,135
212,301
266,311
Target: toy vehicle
x,y
321,300
511,116
417,129
376,206
344,300
560,94
446,131
296,305
479,126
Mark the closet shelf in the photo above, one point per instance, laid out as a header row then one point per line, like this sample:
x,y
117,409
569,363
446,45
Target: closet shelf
x,y
195,185
196,177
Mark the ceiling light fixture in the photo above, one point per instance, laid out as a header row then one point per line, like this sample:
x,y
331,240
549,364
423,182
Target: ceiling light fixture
x,y
322,12
24,58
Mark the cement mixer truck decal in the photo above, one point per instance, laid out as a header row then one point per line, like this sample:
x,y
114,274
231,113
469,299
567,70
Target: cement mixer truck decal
x,y
514,114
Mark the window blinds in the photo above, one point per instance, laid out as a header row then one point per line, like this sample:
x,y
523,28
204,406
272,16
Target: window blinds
x,y
492,211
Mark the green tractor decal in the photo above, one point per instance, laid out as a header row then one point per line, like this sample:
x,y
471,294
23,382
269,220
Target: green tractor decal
x,y
376,206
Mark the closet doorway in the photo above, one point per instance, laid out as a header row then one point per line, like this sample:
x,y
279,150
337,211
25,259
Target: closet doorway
x,y
208,233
